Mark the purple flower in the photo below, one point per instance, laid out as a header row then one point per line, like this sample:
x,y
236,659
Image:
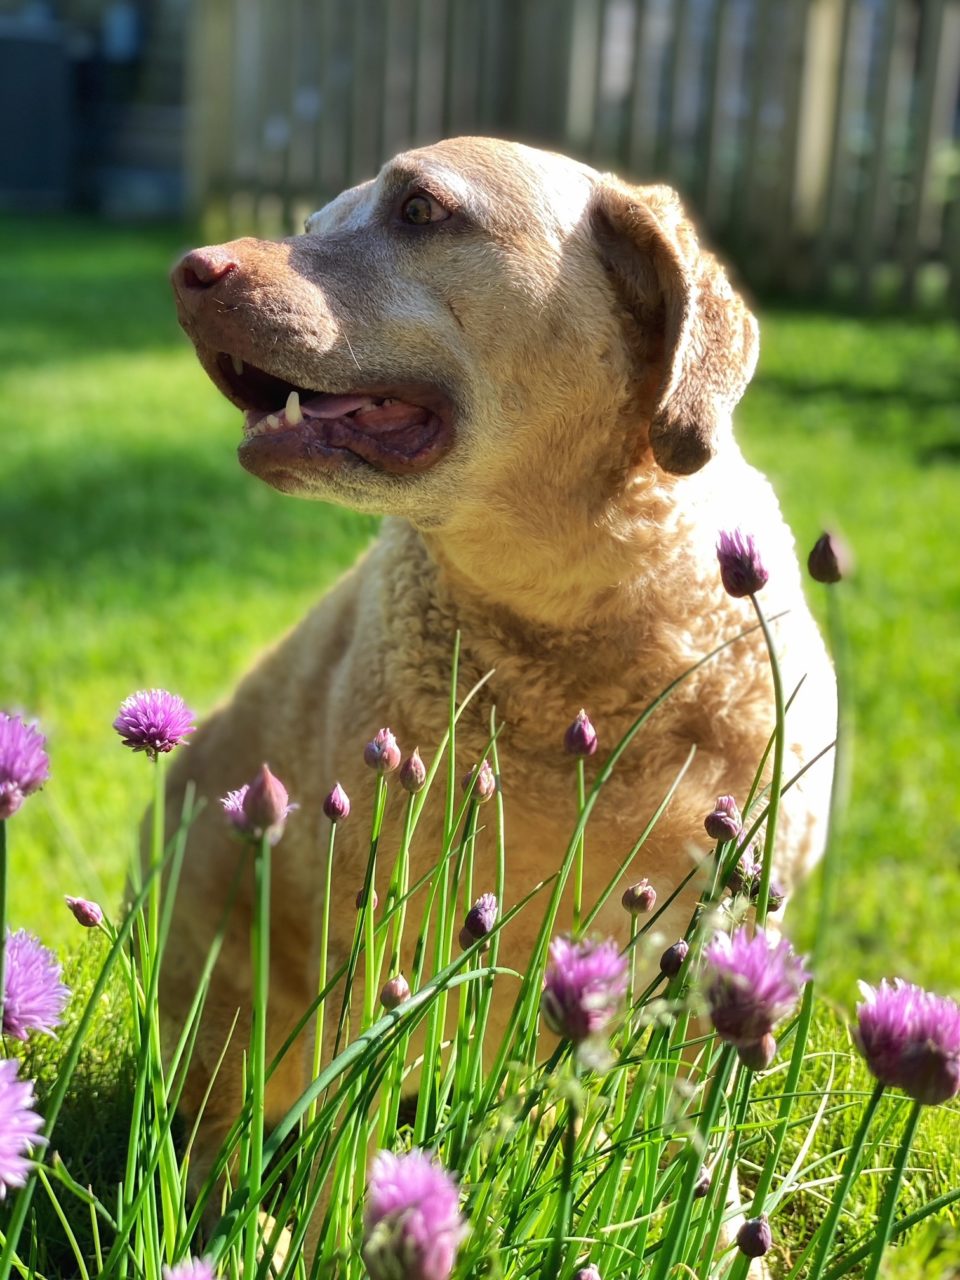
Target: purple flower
x,y
19,1124
588,1273
259,808
479,920
413,773
24,765
336,805
830,560
33,996
671,962
581,737
85,912
485,785
741,569
745,878
582,987
153,721
724,821
412,1223
911,1039
395,992
382,753
639,898
750,985
189,1269
755,1237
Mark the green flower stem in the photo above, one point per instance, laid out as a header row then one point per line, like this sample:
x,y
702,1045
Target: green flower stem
x,y
3,915
715,1206
828,1230
156,856
888,1208
843,759
776,780
676,1231
581,841
563,1222
260,953
371,974
322,978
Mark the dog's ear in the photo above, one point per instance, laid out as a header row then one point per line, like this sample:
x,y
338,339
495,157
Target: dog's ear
x,y
683,313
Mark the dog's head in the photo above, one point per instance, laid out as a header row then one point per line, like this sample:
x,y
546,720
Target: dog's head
x,y
479,310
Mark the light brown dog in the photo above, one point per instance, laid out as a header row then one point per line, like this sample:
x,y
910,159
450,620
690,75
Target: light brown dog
x,y
530,368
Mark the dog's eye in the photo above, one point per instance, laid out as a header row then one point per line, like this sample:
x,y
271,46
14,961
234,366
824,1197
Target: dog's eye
x,y
420,209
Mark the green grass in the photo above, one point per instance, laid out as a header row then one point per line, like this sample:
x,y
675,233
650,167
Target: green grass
x,y
136,551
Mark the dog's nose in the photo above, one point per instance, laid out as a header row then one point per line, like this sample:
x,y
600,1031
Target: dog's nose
x,y
202,268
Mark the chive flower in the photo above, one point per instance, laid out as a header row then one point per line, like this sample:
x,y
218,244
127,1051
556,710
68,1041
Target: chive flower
x,y
85,912
412,1222
189,1269
259,808
671,962
724,822
580,738
582,987
482,780
910,1038
750,985
382,753
830,559
336,805
640,898
154,721
479,920
755,1237
24,764
34,998
19,1125
395,991
741,569
588,1273
413,773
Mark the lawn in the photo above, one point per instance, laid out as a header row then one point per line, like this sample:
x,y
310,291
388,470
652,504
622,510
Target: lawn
x,y
137,552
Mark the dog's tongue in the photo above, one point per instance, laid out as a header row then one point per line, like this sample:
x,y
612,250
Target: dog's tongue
x,y
388,433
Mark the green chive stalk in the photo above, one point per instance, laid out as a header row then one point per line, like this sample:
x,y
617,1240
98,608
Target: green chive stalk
x,y
260,956
892,1192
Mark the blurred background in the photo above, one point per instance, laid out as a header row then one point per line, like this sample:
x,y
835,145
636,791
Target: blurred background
x,y
817,141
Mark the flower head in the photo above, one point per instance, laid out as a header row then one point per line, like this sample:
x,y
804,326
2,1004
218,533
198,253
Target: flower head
x,y
259,808
639,898
479,920
724,821
85,912
482,780
19,1124
741,569
413,773
830,560
33,995
582,987
412,1222
24,765
336,805
671,962
189,1269
750,984
153,721
911,1039
382,752
755,1237
581,737
395,991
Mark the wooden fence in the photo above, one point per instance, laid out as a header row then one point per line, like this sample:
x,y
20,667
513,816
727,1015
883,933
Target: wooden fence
x,y
817,140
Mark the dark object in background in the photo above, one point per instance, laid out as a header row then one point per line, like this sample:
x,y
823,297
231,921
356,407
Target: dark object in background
x,y
35,111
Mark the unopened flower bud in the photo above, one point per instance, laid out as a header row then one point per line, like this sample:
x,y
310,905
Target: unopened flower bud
x,y
395,992
336,805
830,560
755,1237
703,1183
581,737
757,1057
672,959
266,803
479,920
361,901
486,782
382,752
724,822
741,569
775,894
639,898
413,773
87,913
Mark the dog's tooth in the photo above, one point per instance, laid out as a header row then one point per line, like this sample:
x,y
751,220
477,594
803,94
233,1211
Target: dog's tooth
x,y
237,365
273,421
292,410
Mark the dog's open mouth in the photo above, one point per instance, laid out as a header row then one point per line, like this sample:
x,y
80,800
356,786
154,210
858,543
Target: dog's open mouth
x,y
403,429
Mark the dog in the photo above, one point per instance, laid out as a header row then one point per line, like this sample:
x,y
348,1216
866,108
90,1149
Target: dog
x,y
529,369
